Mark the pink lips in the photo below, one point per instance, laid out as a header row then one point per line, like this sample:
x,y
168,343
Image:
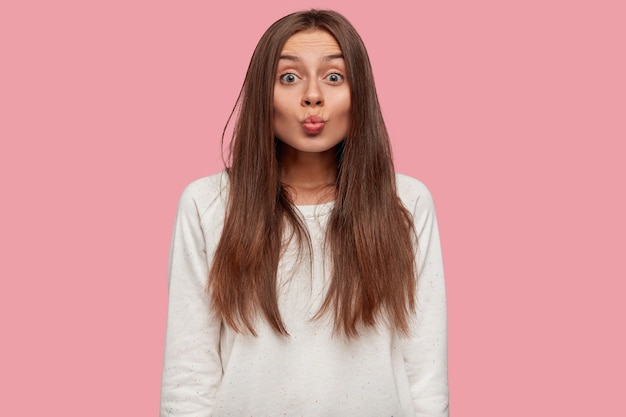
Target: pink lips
x,y
313,125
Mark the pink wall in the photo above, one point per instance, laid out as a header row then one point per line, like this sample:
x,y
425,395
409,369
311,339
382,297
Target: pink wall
x,y
512,112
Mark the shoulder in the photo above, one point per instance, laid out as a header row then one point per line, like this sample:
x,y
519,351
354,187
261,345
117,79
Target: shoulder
x,y
413,193
202,194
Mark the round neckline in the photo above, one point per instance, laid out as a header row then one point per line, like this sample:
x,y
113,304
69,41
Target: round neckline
x,y
316,210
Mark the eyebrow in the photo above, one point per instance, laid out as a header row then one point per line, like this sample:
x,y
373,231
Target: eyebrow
x,y
297,59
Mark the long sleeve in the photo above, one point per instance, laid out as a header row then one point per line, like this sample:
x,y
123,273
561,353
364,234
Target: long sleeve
x,y
192,369
425,352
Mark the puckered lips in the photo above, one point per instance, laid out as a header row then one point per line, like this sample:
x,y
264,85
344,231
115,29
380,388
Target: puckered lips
x,y
313,125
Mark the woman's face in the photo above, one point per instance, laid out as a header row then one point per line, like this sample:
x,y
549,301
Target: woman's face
x,y
311,93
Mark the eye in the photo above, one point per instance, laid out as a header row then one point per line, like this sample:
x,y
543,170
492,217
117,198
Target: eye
x,y
335,78
288,78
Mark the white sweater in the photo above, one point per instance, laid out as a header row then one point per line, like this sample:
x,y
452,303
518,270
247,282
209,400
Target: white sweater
x,y
210,370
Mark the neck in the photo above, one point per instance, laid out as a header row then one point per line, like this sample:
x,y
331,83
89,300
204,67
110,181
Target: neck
x,y
309,176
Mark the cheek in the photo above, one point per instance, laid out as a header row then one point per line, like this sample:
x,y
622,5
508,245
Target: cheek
x,y
280,118
276,103
281,105
343,102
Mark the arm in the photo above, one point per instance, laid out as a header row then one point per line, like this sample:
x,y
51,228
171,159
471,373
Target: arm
x,y
426,350
192,368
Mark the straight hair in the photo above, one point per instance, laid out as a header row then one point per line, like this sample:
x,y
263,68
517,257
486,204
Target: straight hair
x,y
370,237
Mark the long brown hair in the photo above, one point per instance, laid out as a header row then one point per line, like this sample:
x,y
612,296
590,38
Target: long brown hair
x,y
369,234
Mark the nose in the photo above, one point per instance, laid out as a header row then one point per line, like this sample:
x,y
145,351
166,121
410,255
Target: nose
x,y
312,95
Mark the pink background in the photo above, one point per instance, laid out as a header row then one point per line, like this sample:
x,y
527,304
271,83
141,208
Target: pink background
x,y
512,112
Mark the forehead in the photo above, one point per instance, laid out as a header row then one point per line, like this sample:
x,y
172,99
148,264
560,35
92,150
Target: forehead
x,y
310,40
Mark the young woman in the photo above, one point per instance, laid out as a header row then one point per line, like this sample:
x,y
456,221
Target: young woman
x,y
306,279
